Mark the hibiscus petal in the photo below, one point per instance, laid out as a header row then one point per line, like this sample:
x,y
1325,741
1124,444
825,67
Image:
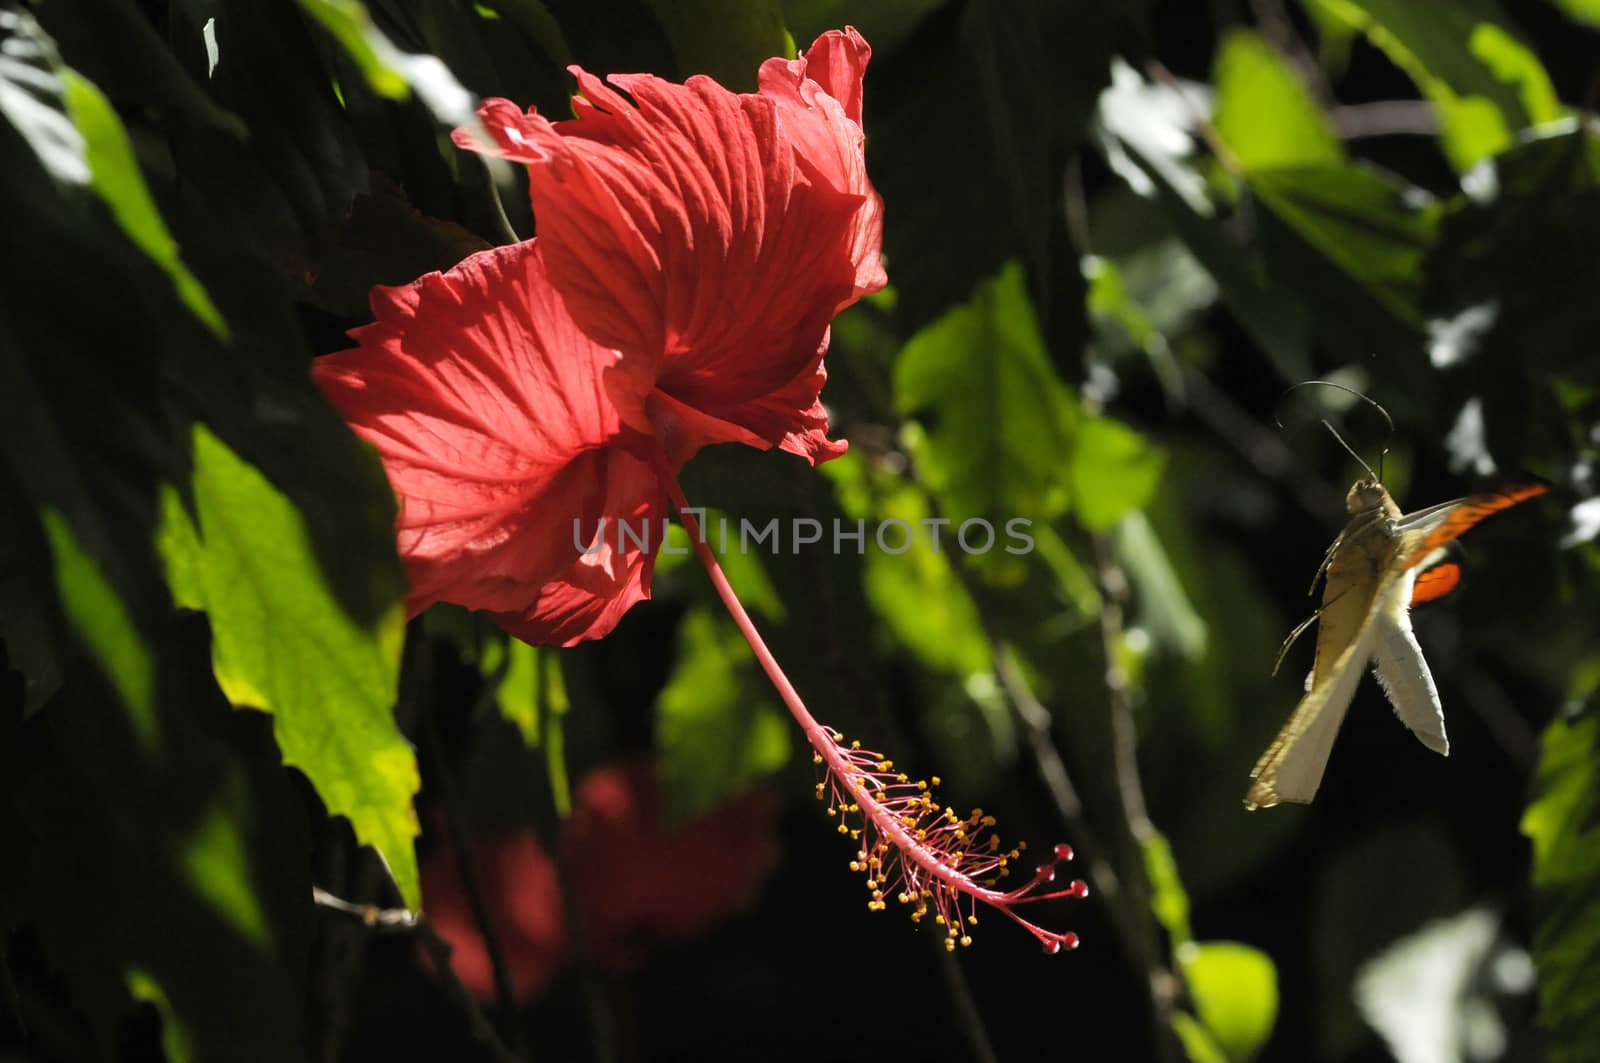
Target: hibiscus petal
x,y
819,98
708,236
497,429
586,600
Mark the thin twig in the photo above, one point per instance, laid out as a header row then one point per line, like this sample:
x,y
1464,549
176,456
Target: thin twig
x,y
508,234
1202,121
1036,721
402,920
967,1015
1125,758
1278,28
1384,118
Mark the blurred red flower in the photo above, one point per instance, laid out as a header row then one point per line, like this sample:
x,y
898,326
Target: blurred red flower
x,y
636,882
694,245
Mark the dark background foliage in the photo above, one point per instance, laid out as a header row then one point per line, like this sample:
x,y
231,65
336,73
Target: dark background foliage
x,y
1116,234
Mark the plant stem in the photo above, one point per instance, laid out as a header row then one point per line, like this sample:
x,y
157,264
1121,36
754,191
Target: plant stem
x,y
456,832
596,999
1163,984
820,737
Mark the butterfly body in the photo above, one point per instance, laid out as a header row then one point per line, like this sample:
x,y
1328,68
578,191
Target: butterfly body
x,y
1372,577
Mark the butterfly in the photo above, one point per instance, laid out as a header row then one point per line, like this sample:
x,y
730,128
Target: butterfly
x,y
1380,565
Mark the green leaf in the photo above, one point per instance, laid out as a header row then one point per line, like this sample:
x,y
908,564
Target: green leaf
x,y
716,729
1352,239
97,613
282,643
1486,84
117,181
1563,823
743,568
1008,92
1145,139
1263,112
997,419
726,39
1164,608
1168,901
1585,11
1113,471
1235,992
79,139
389,71
917,594
531,688
1198,1044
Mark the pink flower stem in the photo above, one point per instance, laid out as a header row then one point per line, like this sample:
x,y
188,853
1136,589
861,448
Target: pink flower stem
x,y
852,767
821,738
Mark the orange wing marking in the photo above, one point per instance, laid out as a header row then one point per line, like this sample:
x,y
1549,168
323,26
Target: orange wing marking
x,y
1436,582
1465,514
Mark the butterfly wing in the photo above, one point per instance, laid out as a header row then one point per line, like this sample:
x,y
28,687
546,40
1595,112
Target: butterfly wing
x,y
1434,582
1428,529
1292,767
1372,575
1402,670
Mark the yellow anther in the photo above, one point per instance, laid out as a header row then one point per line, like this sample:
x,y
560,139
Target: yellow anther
x,y
935,780
965,941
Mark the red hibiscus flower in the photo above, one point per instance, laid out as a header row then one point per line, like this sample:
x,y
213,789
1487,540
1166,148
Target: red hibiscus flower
x,y
635,881
694,246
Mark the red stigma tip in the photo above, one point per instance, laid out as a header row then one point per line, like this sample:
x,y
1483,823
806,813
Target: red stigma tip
x,y
1063,851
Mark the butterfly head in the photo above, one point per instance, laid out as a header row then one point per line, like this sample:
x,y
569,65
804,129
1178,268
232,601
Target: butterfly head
x,y
1365,495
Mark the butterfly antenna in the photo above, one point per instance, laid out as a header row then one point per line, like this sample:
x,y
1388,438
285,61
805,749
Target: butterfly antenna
x,y
1349,450
1387,420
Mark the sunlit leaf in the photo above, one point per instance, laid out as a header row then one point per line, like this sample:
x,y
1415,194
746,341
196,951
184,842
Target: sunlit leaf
x,y
1198,1044
1168,901
1264,113
1485,82
997,419
79,139
282,642
716,729
1352,240
530,688
743,568
916,593
1563,823
103,622
1113,470
1587,11
1164,609
390,71
1235,993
